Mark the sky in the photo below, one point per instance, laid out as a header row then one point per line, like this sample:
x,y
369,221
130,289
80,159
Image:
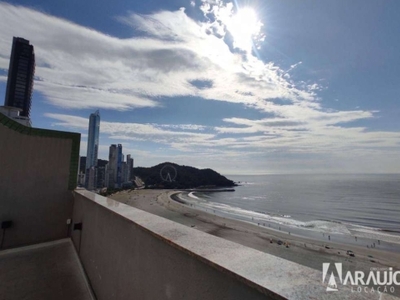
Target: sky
x,y
242,87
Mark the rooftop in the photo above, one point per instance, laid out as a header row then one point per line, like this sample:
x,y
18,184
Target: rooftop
x,y
43,271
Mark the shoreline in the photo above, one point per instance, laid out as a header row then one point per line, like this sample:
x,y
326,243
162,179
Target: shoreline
x,y
305,251
353,235
293,239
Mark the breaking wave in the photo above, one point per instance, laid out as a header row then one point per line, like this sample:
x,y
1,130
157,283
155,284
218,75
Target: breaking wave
x,y
328,227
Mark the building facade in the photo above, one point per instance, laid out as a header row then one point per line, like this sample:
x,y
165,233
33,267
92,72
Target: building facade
x,y
101,177
20,76
92,148
111,170
13,113
117,170
124,171
129,161
120,159
91,175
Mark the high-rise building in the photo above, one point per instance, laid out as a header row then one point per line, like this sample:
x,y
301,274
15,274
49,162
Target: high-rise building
x,y
20,76
101,176
119,166
117,169
92,147
124,172
111,172
129,161
91,175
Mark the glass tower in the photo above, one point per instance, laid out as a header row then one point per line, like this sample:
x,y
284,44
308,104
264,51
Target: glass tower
x,y
120,159
20,76
92,147
114,167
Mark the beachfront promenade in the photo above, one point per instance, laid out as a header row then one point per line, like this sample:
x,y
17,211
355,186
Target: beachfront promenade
x,y
59,242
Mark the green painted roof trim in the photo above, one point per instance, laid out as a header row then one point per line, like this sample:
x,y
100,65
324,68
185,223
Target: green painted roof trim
x,y
75,137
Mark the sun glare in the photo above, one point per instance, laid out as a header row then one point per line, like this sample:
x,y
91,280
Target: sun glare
x,y
244,27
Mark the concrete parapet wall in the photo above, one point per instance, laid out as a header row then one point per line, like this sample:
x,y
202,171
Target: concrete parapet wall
x,y
131,254
36,177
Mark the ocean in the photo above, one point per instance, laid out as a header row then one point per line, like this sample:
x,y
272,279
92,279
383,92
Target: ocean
x,y
352,209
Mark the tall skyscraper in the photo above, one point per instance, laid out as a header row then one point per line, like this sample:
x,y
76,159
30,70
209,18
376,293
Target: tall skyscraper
x,y
119,165
111,169
20,76
92,147
129,161
115,167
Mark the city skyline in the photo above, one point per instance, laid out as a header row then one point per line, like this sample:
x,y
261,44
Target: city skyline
x,y
118,171
245,88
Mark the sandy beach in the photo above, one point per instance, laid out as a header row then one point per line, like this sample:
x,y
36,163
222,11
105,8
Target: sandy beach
x,y
307,252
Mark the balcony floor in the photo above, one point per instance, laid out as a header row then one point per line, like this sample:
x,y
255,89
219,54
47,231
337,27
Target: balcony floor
x,y
43,271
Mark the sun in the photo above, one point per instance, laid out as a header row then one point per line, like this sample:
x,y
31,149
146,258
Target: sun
x,y
244,27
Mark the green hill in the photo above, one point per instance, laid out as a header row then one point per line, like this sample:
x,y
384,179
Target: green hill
x,y
172,176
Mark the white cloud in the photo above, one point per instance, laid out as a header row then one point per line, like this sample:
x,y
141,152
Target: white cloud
x,y
271,145
134,131
259,135
78,67
182,126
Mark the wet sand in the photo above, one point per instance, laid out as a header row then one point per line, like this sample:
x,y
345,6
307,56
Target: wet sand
x,y
307,252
